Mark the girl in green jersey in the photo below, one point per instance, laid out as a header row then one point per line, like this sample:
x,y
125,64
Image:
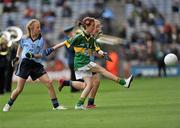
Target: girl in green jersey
x,y
84,44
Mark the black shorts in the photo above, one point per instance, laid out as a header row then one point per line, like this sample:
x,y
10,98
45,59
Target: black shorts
x,y
30,68
94,73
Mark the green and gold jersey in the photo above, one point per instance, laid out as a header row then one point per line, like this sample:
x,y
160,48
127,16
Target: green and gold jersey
x,y
83,47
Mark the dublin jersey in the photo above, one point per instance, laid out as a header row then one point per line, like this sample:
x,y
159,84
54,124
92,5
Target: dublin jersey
x,y
83,47
33,46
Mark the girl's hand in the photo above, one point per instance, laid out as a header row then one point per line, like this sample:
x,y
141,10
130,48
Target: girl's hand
x,y
106,57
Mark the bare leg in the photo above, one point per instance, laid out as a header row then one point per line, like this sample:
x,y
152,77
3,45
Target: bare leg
x,y
45,79
19,88
78,85
96,83
92,94
124,82
87,89
15,94
85,92
104,72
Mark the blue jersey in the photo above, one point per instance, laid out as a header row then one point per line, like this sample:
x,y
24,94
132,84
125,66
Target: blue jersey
x,y
35,47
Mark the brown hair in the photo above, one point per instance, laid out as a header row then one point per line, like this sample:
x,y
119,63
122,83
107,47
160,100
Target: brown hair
x,y
87,21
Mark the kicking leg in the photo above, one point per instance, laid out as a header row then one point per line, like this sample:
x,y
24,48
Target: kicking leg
x,y
124,82
76,84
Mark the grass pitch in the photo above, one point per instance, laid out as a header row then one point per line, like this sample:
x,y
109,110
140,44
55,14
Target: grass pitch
x,y
149,103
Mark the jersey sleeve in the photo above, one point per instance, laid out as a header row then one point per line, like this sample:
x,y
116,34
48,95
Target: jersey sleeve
x,y
71,41
21,43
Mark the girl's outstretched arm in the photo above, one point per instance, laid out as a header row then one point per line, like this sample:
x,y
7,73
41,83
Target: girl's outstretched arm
x,y
59,45
45,52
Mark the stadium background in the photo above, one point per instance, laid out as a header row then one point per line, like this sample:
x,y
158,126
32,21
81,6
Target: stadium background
x,y
149,26
149,103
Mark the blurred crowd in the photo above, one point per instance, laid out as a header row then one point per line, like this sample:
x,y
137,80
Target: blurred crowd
x,y
145,28
149,32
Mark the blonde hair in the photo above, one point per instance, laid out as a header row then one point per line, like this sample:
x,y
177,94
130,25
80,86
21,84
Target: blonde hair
x,y
97,22
29,25
98,32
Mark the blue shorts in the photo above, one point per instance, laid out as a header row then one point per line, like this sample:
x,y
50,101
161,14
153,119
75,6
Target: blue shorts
x,y
30,68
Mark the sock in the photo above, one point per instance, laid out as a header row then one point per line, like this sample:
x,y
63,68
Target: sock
x,y
55,102
10,102
67,83
81,101
121,81
90,101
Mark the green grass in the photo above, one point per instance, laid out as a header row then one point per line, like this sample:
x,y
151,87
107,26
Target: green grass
x,y
149,103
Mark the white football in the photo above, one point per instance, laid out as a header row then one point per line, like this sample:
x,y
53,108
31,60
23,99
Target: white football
x,y
170,59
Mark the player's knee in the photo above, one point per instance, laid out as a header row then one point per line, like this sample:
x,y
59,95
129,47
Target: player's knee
x,y
96,83
83,85
89,85
49,83
102,70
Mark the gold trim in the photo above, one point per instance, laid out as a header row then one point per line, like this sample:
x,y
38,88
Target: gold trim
x,y
67,44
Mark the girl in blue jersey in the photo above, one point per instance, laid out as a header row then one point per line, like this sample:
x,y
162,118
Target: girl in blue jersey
x,y
30,65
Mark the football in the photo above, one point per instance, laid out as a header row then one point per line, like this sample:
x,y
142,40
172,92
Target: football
x,y
170,59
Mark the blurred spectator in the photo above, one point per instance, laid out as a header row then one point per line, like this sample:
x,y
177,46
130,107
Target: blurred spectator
x,y
150,48
99,7
122,32
176,7
48,21
168,32
9,6
9,69
107,26
160,54
46,2
66,10
3,63
27,14
60,3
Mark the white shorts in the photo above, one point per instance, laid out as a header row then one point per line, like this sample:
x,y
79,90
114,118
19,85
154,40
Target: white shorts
x,y
84,71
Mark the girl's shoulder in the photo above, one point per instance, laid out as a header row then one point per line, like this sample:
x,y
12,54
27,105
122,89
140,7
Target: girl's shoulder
x,y
78,35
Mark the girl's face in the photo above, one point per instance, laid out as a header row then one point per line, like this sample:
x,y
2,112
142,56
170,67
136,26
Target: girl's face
x,y
36,28
97,28
90,28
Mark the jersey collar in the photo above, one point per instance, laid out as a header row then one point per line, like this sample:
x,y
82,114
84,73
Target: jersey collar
x,y
38,38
